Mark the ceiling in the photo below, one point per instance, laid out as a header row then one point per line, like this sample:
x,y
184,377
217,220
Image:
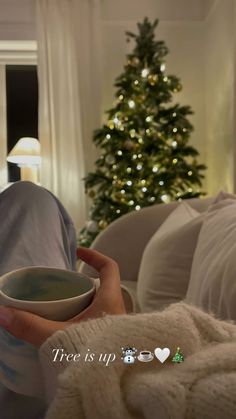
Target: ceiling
x,y
167,10
17,18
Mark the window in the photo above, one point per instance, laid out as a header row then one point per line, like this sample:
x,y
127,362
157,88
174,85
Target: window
x,y
18,100
22,108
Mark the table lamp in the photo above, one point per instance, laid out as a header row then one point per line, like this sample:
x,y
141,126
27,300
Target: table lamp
x,y
26,154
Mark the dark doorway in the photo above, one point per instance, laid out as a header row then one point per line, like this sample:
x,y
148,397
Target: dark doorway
x,y
22,108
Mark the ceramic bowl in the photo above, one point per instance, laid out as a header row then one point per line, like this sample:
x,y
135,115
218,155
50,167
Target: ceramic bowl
x,y
54,294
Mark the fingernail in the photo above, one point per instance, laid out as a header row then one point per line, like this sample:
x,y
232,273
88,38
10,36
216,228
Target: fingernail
x,y
6,316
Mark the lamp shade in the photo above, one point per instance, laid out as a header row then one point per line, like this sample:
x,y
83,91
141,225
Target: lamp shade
x,y
25,152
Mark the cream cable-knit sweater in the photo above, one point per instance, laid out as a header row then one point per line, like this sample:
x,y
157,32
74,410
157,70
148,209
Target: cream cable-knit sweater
x,y
202,387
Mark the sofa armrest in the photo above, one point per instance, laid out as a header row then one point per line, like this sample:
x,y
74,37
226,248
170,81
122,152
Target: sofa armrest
x,y
124,240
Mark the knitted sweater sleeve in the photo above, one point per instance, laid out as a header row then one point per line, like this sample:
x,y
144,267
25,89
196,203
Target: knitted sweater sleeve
x,y
54,352
178,326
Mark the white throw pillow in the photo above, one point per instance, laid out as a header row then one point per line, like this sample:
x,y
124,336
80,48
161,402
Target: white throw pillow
x,y
212,283
167,259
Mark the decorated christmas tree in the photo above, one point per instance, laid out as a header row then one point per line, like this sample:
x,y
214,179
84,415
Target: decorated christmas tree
x,y
178,357
145,155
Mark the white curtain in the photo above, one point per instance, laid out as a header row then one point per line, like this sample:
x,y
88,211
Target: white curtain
x,y
3,128
69,73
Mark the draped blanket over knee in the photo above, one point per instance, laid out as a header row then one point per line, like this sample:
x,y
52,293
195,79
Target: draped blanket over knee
x,y
203,386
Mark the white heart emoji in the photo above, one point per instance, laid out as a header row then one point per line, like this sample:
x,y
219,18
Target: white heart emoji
x,y
162,354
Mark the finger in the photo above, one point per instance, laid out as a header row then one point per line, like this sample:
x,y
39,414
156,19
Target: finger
x,y
91,312
107,267
109,289
28,326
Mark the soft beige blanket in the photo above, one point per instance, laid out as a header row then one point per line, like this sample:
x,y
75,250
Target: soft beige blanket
x,y
202,387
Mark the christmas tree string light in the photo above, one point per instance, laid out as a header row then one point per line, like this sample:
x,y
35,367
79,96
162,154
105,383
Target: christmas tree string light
x,y
146,157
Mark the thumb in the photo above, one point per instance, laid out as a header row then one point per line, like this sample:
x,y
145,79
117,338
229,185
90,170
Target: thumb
x,y
27,326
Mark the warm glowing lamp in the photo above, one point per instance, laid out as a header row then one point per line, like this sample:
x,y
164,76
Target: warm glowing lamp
x,y
26,154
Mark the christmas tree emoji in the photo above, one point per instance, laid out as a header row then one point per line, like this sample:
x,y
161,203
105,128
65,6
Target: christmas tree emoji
x,y
178,357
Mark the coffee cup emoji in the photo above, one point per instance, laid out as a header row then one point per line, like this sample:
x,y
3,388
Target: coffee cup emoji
x,y
145,356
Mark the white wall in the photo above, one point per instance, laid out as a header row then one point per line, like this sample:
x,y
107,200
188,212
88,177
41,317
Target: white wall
x,y
219,88
200,37
17,20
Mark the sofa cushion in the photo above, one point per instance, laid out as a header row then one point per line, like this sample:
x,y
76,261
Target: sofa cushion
x,y
212,283
167,259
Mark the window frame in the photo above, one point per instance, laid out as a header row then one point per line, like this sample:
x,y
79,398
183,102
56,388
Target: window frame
x,y
18,53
